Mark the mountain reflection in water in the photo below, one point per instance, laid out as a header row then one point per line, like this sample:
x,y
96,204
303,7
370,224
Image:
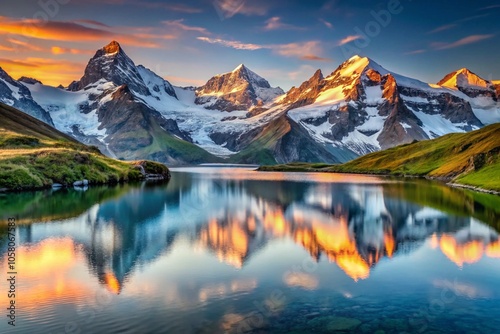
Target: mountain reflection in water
x,y
354,223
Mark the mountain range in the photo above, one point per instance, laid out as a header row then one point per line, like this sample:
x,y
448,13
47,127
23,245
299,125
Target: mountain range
x,y
130,112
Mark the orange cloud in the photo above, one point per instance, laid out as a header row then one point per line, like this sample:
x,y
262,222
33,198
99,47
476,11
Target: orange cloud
x,y
49,71
70,32
6,48
24,45
56,50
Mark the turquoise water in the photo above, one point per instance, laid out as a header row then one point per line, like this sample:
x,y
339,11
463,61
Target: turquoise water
x,y
219,250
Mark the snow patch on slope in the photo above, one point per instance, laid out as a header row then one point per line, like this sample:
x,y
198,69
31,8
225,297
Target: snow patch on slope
x,y
64,108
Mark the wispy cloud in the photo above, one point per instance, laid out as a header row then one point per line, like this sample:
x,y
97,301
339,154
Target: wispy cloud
x,y
443,28
174,7
314,58
232,44
6,48
472,18
349,39
416,52
461,42
327,24
310,50
457,23
178,7
275,23
230,8
179,24
23,45
92,22
489,7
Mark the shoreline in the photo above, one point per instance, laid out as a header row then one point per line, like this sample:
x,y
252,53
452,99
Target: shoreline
x,y
445,181
55,186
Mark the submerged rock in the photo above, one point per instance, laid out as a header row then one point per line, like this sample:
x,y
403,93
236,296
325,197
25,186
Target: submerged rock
x,y
81,183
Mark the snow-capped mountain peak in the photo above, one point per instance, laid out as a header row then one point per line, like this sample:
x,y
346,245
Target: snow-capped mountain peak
x,y
239,68
240,89
111,64
130,112
464,78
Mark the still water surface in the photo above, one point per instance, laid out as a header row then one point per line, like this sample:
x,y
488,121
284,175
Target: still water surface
x,y
220,250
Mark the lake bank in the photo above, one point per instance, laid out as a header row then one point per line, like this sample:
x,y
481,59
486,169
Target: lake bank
x,y
325,168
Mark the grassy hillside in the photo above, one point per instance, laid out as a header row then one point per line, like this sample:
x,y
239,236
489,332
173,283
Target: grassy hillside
x,y
34,155
466,158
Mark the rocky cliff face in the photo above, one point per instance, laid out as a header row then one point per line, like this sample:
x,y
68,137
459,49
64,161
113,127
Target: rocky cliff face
x,y
31,81
240,89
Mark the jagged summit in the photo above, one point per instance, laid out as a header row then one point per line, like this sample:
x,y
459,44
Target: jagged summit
x,y
464,78
239,89
112,47
29,80
111,64
470,84
240,67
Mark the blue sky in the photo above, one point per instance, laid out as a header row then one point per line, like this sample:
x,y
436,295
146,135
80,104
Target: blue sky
x,y
285,41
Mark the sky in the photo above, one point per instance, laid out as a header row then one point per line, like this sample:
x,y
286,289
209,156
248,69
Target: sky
x,y
285,41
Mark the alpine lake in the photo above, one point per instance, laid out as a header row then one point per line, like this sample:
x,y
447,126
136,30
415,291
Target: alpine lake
x,y
233,250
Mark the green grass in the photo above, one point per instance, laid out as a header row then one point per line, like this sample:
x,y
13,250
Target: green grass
x,y
177,149
260,150
34,155
465,158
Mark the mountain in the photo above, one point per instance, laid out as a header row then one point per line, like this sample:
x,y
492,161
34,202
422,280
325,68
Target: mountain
x,y
365,108
483,95
34,155
240,89
15,94
114,106
469,83
471,159
129,112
